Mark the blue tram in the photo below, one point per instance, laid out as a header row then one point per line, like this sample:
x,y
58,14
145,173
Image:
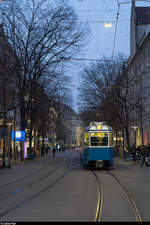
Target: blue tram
x,y
98,145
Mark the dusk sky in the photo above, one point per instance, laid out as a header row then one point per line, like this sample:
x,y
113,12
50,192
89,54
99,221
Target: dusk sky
x,y
101,39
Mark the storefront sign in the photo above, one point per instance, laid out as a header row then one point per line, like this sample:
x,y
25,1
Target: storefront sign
x,y
19,135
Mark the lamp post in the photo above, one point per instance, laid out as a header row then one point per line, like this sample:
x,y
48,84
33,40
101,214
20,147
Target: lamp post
x,y
134,128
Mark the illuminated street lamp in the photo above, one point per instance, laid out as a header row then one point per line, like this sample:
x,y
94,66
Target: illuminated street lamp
x,y
107,24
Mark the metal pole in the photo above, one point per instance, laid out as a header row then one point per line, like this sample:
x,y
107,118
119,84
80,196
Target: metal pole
x,y
34,137
9,151
4,151
135,136
4,123
14,143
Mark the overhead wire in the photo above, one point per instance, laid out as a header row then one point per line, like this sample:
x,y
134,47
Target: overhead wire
x,y
136,1
88,59
143,1
102,21
117,17
115,34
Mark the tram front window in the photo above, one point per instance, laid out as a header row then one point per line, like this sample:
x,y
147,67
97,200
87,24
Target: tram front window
x,y
99,139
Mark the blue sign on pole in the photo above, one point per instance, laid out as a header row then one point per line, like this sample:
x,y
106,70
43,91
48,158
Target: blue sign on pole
x,y
19,135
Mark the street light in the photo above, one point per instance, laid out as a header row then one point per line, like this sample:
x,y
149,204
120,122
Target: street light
x,y
134,127
107,24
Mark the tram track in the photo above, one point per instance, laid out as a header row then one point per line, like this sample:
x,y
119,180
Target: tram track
x,y
27,175
65,167
101,197
28,184
129,197
19,184
21,203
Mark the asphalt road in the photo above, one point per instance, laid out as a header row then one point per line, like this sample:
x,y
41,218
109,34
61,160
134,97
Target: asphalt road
x,y
60,189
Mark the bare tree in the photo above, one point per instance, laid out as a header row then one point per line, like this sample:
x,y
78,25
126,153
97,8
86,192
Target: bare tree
x,y
123,102
8,100
97,81
42,34
108,89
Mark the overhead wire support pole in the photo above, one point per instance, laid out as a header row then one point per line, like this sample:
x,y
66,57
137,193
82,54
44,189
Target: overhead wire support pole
x,y
114,43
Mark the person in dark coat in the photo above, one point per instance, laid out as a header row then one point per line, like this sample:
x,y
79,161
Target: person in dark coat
x,y
47,150
143,156
42,151
54,150
133,152
138,150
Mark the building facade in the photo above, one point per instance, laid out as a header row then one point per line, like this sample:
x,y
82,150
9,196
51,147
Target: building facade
x,y
139,70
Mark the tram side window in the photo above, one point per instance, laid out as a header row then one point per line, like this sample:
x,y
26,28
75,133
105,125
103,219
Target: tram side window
x,y
99,139
110,139
86,139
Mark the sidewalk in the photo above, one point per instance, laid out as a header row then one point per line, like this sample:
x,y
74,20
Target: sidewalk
x,y
19,170
129,163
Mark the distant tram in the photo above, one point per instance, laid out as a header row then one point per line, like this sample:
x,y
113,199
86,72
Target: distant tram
x,y
98,148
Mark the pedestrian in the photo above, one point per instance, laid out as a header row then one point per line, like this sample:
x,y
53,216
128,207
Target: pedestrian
x,y
138,151
126,152
42,150
133,152
54,150
10,152
143,156
148,149
46,150
148,154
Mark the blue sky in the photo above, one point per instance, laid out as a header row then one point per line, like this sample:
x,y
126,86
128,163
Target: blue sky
x,y
101,40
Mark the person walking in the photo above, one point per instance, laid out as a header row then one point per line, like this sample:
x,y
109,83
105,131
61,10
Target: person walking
x,y
54,150
143,156
133,152
138,151
126,152
47,150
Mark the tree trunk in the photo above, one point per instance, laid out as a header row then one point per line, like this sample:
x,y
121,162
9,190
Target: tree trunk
x,y
127,136
30,132
23,126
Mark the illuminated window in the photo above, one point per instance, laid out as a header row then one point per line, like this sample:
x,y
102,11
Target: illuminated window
x,y
110,139
99,126
99,139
